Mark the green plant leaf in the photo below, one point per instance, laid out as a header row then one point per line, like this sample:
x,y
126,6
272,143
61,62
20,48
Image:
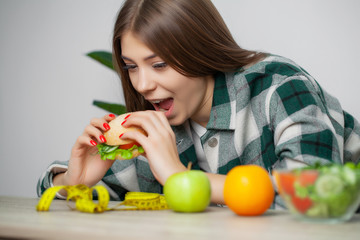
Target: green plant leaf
x,y
102,57
111,107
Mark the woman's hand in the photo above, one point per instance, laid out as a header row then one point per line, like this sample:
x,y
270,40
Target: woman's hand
x,y
85,166
159,144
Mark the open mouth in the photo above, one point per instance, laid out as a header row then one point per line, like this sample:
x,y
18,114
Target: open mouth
x,y
163,105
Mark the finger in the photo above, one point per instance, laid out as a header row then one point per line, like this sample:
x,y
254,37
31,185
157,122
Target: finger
x,y
136,136
101,123
150,121
94,133
109,117
160,121
164,120
158,118
157,129
85,140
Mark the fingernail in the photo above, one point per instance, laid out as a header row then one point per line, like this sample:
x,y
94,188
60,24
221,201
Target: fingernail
x,y
121,135
123,122
111,115
93,143
127,116
102,138
106,126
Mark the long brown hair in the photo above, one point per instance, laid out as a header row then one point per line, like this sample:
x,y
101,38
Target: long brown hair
x,y
189,35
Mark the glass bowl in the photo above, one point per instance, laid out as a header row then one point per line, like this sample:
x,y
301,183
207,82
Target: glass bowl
x,y
329,193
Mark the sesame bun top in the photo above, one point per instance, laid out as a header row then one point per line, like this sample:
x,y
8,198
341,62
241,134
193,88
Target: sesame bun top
x,y
116,129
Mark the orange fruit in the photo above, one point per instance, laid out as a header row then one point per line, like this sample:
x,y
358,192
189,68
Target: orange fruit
x,y
248,190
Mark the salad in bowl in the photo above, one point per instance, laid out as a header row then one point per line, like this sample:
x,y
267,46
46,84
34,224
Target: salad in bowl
x,y
325,193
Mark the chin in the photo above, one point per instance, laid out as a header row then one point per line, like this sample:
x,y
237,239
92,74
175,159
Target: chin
x,y
176,121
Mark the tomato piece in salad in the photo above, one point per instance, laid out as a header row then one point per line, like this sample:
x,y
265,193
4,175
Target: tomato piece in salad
x,y
301,204
308,177
287,183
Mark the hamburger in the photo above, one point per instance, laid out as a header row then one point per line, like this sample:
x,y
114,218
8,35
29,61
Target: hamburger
x,y
116,148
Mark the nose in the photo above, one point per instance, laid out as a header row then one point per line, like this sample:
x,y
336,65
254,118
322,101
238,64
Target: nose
x,y
145,82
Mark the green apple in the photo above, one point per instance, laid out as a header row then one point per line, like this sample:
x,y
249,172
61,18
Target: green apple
x,y
188,191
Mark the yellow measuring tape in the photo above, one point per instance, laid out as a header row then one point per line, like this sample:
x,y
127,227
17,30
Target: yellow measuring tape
x,y
83,197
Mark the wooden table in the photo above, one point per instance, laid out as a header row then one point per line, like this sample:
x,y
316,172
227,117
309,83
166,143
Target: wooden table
x,y
20,220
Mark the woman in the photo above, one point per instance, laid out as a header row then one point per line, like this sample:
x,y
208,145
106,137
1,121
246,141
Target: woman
x,y
203,99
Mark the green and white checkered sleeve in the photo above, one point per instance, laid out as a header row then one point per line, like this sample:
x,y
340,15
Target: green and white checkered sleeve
x,y
45,180
115,189
304,131
351,138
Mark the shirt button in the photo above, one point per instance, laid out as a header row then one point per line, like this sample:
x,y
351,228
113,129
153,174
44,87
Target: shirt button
x,y
213,142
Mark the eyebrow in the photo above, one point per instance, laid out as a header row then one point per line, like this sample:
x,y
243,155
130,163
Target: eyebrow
x,y
146,58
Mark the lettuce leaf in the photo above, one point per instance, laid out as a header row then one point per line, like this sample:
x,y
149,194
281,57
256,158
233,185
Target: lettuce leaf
x,y
110,152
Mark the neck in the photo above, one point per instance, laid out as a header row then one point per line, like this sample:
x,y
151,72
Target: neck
x,y
202,115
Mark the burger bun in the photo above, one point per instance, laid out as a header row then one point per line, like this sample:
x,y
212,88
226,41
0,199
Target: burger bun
x,y
116,129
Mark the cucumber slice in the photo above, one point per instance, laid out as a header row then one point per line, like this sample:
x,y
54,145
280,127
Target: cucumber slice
x,y
319,210
335,169
328,185
110,149
349,175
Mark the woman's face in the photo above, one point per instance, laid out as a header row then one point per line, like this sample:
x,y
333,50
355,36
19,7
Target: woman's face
x,y
180,97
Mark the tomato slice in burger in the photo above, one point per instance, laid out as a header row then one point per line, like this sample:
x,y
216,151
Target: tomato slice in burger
x,y
129,145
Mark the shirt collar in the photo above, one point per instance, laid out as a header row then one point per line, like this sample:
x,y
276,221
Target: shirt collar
x,y
223,110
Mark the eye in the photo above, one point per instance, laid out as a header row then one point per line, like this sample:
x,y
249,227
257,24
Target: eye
x,y
160,65
130,67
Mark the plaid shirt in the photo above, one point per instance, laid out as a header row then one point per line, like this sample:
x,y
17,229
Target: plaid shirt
x,y
273,114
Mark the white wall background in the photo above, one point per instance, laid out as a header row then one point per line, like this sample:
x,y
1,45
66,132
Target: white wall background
x,y
47,84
